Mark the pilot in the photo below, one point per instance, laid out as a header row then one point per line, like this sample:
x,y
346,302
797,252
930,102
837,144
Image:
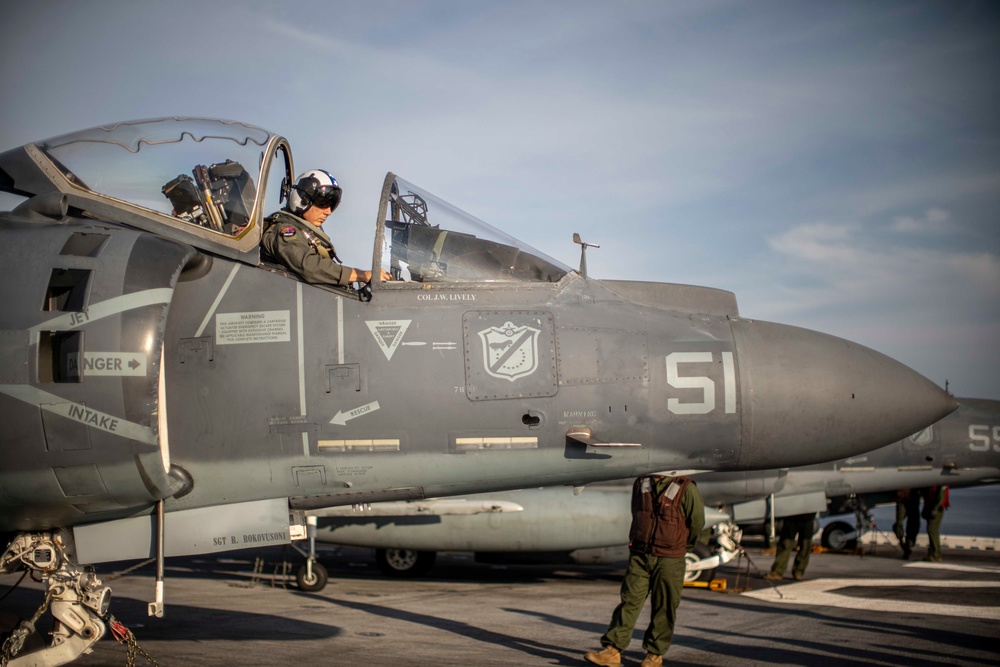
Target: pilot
x,y
294,236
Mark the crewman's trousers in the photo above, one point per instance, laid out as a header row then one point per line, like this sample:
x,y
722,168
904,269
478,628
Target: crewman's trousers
x,y
660,579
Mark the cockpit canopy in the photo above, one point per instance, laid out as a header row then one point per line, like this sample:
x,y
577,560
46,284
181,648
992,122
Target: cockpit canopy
x,y
202,181
219,195
210,183
427,240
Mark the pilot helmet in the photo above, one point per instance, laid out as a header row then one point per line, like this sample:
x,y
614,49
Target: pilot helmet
x,y
315,187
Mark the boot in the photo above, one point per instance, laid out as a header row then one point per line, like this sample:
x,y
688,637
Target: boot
x,y
609,656
652,660
773,576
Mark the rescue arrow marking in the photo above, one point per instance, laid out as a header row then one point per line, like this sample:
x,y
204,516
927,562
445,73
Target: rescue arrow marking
x,y
341,418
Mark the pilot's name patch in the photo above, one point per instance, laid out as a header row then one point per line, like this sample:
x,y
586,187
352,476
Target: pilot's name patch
x,y
287,232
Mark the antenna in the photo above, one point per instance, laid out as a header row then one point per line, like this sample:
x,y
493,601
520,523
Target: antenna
x,y
583,253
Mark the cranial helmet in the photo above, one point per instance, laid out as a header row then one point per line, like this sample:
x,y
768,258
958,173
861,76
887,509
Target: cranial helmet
x,y
315,187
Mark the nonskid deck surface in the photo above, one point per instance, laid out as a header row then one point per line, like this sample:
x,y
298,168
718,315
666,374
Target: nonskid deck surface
x,y
873,609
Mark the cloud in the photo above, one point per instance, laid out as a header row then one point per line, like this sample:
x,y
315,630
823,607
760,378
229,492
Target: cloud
x,y
835,265
933,222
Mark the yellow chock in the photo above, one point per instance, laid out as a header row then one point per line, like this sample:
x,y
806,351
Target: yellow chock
x,y
713,585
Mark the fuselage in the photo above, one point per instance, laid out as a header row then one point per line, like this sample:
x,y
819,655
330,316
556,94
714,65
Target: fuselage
x,y
950,452
150,355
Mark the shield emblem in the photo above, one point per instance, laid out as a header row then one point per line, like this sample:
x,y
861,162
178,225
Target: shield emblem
x,y
510,352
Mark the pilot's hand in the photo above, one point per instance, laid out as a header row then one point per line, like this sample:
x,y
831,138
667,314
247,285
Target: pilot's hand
x,y
366,276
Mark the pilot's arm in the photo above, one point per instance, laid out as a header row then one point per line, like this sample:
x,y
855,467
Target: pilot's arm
x,y
289,245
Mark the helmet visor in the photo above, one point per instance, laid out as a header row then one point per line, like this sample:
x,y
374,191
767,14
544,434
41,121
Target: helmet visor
x,y
326,198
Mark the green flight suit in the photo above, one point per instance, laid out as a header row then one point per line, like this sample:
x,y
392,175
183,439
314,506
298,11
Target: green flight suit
x,y
796,532
305,249
656,577
907,519
935,503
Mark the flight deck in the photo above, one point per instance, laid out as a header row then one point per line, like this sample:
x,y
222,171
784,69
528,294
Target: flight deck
x,y
242,608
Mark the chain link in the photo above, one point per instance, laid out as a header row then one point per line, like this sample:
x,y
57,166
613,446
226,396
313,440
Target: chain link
x,y
132,647
127,638
284,566
129,570
13,644
258,569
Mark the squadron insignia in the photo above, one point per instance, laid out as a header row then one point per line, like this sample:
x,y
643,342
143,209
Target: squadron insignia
x,y
287,232
510,352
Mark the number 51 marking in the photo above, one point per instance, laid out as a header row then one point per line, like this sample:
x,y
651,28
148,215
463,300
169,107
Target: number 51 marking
x,y
706,384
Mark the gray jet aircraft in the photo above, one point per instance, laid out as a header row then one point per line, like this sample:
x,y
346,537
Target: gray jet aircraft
x,y
553,524
167,392
963,449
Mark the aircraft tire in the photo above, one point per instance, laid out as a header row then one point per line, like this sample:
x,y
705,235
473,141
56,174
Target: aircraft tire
x,y
402,563
700,551
316,583
834,536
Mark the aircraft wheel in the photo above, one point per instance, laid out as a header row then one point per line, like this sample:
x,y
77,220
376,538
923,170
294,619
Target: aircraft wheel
x,y
404,562
316,582
835,536
700,551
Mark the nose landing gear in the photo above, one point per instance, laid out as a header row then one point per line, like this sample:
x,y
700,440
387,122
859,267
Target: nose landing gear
x,y
76,597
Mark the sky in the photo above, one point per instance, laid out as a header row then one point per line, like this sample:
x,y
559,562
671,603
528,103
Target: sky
x,y
834,164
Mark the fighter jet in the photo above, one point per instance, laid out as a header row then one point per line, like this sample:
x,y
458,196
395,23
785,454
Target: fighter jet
x,y
166,391
963,449
553,524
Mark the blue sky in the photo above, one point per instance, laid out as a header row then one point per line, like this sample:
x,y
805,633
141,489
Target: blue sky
x,y
835,164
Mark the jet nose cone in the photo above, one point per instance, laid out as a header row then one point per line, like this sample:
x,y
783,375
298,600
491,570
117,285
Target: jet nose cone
x,y
809,397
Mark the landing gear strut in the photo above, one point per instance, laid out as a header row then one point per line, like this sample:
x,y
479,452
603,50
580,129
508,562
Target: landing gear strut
x,y
77,599
312,576
703,562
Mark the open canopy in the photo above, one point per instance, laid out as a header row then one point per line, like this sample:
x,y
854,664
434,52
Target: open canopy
x,y
210,183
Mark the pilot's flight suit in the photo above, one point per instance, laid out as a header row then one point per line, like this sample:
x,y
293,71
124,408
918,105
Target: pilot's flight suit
x,y
667,517
303,248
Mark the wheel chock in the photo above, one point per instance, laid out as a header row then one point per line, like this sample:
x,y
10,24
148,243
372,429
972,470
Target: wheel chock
x,y
713,585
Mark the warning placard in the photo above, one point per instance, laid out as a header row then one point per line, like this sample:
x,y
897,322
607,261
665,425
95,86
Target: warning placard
x,y
268,326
